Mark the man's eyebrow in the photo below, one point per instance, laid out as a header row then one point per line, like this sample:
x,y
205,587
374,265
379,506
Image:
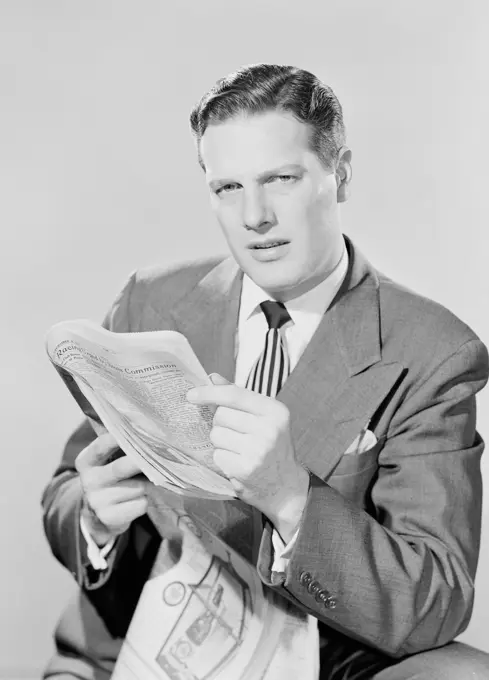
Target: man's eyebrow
x,y
282,169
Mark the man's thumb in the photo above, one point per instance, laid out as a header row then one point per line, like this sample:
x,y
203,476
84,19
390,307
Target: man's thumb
x,y
218,379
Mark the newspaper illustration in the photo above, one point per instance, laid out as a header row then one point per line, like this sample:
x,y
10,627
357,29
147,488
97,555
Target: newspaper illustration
x,y
135,385
209,617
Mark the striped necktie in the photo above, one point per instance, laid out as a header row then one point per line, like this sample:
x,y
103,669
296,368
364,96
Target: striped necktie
x,y
272,367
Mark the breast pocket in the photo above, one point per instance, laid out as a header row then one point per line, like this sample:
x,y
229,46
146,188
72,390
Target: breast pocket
x,y
355,474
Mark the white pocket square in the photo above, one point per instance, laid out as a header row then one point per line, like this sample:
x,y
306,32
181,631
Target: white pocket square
x,y
364,442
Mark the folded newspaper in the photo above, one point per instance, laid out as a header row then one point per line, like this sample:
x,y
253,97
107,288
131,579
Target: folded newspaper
x,y
135,386
204,615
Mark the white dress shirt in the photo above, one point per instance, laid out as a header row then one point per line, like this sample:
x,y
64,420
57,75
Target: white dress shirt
x,y
306,312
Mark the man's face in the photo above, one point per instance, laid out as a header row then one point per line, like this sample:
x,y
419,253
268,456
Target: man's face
x,y
275,201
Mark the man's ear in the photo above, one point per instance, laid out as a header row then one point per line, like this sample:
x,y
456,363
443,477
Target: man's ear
x,y
343,174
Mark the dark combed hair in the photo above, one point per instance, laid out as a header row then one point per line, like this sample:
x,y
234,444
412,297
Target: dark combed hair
x,y
259,88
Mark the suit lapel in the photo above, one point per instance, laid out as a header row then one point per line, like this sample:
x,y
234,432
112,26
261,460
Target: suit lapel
x,y
208,317
339,381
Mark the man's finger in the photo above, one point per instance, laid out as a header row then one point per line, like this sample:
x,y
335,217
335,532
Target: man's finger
x,y
224,438
121,515
97,453
230,463
122,468
218,379
124,491
239,421
230,395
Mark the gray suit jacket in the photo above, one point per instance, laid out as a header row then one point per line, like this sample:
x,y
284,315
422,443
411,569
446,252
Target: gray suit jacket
x,y
390,536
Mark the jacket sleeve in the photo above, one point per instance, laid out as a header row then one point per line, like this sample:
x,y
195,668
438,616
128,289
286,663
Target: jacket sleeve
x,y
131,558
400,577
84,648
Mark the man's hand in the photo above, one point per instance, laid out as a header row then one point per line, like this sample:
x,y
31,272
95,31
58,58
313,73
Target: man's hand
x,y
114,492
253,448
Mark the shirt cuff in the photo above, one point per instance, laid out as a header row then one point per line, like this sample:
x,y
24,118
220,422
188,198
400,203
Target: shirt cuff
x,y
282,552
95,554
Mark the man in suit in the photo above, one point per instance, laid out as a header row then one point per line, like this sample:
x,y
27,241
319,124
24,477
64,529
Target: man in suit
x,y
345,413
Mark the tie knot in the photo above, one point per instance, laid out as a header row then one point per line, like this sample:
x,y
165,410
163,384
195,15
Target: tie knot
x,y
276,313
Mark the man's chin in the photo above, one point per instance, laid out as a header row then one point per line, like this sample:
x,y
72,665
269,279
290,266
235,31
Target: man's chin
x,y
275,281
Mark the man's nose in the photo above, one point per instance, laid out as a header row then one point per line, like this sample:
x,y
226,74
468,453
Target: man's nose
x,y
256,210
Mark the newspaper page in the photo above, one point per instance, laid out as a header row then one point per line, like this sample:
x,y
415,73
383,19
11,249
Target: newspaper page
x,y
137,385
206,616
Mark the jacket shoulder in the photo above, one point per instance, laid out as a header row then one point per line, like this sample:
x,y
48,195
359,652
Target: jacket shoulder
x,y
156,287
421,326
180,277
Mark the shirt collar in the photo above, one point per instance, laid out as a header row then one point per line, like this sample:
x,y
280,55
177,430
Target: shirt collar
x,y
315,301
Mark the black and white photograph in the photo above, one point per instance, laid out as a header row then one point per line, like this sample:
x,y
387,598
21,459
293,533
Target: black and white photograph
x,y
244,340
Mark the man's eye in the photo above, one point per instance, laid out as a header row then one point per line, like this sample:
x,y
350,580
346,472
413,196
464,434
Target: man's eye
x,y
283,179
227,189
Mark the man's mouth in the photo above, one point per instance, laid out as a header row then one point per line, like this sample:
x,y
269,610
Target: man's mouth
x,y
267,244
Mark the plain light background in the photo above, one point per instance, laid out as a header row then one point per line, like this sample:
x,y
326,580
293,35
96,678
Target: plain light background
x,y
98,176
